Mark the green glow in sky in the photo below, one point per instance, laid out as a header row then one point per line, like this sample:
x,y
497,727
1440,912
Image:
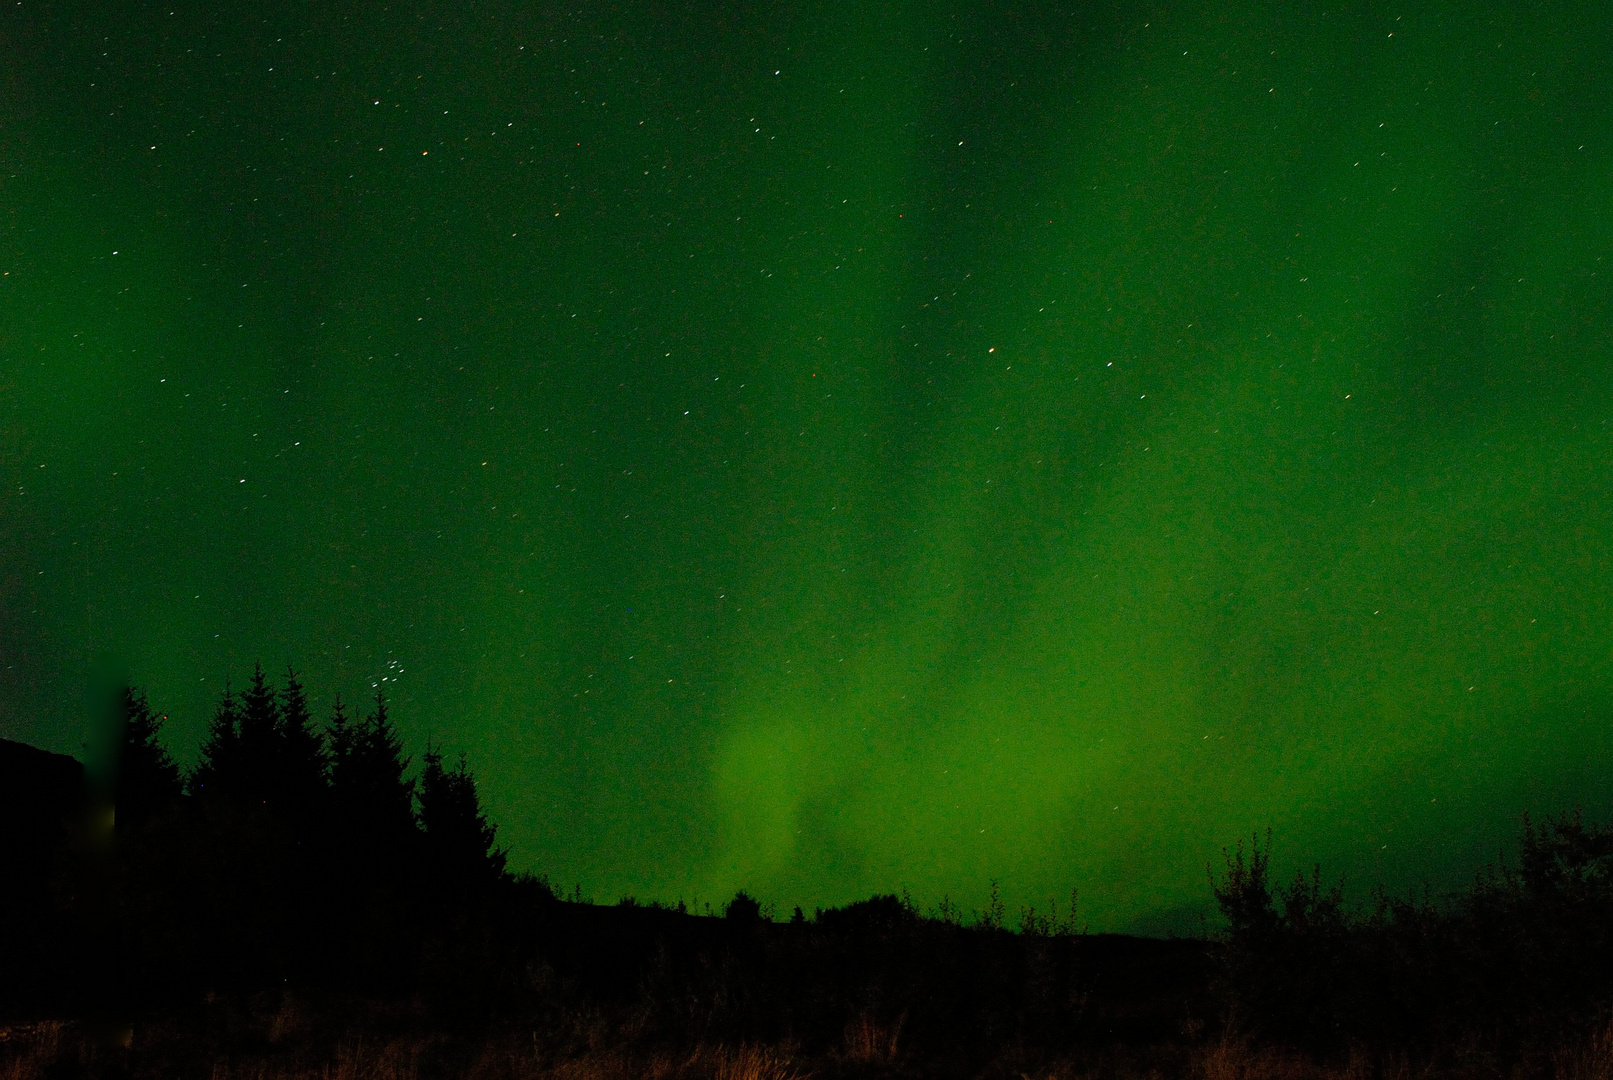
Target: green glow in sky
x,y
824,450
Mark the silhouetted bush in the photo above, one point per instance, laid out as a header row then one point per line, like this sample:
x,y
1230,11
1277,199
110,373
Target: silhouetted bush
x,y
1524,954
743,908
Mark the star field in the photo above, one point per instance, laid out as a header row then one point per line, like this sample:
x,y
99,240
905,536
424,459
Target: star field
x,y
824,450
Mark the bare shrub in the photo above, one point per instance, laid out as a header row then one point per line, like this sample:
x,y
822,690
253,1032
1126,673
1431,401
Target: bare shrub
x,y
29,1051
1591,1059
869,1041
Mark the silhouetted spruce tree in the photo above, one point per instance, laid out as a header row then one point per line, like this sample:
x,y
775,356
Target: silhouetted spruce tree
x,y
372,796
376,841
247,876
157,871
457,837
148,782
301,767
241,759
219,764
263,752
343,770
341,735
260,741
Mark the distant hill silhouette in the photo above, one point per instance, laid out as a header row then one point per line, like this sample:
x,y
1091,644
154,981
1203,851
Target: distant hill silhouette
x,y
40,795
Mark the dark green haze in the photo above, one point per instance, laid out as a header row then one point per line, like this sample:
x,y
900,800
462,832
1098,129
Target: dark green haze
x,y
827,448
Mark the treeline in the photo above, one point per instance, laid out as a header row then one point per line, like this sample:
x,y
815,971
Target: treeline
x,y
1517,962
313,857
294,853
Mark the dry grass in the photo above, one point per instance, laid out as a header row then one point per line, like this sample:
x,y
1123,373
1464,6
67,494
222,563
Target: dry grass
x,y
1590,1060
43,1051
404,1061
1233,1058
28,1051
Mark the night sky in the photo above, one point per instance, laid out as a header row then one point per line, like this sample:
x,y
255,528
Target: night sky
x,y
835,448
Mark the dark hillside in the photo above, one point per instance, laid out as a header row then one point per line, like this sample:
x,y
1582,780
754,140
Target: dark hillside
x,y
40,793
42,803
936,987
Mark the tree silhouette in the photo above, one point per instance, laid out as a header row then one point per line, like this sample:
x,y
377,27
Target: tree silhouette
x,y
299,784
262,751
376,842
219,764
743,908
260,741
372,796
243,881
148,780
341,738
458,839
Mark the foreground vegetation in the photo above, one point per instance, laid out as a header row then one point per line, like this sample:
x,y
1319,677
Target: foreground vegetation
x,y
303,904
283,1045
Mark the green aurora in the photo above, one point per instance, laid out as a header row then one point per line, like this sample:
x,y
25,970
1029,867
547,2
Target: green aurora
x,y
836,448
